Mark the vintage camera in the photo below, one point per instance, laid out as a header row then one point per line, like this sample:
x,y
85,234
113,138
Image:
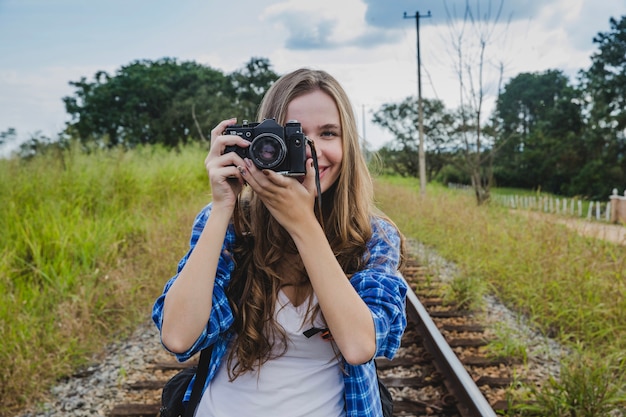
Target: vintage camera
x,y
274,147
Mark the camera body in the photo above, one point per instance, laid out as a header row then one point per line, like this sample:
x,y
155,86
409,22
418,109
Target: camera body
x,y
273,147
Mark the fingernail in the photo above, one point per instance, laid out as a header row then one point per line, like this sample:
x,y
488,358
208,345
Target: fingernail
x,y
266,172
248,162
241,170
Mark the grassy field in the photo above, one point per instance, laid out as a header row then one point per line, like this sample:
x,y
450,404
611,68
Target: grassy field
x,y
570,287
89,240
87,243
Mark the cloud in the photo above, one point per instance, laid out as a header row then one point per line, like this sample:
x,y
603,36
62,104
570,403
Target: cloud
x,y
326,25
589,19
32,98
308,32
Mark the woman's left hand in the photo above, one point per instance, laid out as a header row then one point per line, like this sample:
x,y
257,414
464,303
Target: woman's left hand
x,y
290,200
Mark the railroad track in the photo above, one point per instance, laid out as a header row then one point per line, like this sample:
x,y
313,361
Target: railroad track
x,y
440,370
426,377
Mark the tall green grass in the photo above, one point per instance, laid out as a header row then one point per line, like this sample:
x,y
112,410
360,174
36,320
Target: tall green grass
x,y
87,242
570,287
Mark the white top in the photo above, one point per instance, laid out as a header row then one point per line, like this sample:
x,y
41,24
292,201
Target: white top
x,y
305,381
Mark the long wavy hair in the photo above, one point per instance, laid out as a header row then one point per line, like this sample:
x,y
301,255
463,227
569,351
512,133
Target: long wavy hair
x,y
263,244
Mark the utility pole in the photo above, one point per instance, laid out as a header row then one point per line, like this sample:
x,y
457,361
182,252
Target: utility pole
x,y
420,107
363,121
364,145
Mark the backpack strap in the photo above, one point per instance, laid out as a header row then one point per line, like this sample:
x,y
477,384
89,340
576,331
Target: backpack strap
x,y
201,375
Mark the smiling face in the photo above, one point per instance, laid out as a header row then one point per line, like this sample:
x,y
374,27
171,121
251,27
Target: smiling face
x,y
318,114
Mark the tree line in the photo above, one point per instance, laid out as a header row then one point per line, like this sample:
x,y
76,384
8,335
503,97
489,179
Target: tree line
x,y
546,132
148,102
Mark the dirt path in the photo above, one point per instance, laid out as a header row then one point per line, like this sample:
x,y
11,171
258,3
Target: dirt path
x,y
615,233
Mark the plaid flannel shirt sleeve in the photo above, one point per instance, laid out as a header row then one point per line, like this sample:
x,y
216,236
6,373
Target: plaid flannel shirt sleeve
x,y
221,317
383,289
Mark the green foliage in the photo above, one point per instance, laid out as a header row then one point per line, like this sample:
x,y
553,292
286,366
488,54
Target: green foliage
x,y
7,136
402,120
250,84
540,125
567,140
466,292
163,102
451,174
89,239
588,386
545,132
569,287
87,242
508,344
604,93
605,80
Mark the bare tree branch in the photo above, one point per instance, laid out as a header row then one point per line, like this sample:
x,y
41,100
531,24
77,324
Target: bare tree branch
x,y
197,124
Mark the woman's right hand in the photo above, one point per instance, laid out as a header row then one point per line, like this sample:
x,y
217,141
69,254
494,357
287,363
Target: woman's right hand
x,y
225,170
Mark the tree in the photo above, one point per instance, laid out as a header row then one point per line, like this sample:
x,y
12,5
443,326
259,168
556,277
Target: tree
x,y
38,143
9,135
163,101
604,84
250,84
605,80
145,102
469,41
540,126
402,120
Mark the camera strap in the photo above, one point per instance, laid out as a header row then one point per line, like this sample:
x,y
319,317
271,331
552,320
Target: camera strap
x,y
317,181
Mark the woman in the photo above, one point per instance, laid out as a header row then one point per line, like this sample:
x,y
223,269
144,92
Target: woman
x,y
265,267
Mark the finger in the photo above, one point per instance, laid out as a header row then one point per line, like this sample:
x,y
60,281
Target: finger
x,y
263,182
309,179
227,150
230,174
213,161
221,127
250,172
275,178
240,176
220,141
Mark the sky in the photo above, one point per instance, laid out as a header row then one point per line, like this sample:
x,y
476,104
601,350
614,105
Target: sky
x,y
368,45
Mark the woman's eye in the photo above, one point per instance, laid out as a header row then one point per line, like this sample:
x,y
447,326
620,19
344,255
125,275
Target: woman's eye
x,y
328,133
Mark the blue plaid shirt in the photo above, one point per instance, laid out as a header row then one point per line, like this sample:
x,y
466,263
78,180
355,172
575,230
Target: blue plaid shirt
x,y
379,284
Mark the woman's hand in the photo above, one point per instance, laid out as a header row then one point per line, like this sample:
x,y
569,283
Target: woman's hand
x,y
225,170
188,303
290,200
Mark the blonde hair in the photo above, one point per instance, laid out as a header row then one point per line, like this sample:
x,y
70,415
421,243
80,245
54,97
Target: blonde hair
x,y
262,243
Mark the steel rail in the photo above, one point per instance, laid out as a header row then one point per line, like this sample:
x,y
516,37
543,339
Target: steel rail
x,y
471,402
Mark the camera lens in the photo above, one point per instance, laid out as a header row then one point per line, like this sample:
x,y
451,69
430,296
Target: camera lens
x,y
267,150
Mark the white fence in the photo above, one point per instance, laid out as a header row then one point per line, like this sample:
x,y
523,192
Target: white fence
x,y
613,211
595,210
